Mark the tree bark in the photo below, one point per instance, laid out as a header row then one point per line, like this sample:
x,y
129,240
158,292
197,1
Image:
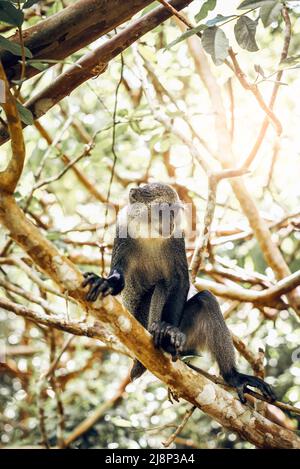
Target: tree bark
x,y
93,63
215,401
69,30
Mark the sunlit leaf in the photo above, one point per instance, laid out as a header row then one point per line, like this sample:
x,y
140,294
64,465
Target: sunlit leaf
x,y
245,30
258,68
248,4
218,19
187,34
25,114
216,44
13,47
269,13
207,6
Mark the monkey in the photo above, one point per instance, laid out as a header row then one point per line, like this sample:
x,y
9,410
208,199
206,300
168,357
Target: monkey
x,y
150,271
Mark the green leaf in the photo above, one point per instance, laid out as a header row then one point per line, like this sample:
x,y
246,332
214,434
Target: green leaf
x,y
10,14
258,68
25,114
186,34
13,47
207,6
244,30
53,235
38,65
218,19
253,4
215,43
269,13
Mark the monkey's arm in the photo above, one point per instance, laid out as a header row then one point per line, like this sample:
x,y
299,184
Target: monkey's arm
x,y
115,282
165,327
157,304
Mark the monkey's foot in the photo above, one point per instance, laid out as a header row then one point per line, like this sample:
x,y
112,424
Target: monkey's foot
x,y
98,286
166,335
241,381
137,370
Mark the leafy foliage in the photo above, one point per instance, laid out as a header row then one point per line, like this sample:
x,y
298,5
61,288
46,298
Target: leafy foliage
x,y
216,44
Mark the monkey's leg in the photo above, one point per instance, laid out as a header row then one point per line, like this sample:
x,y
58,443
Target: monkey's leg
x,y
140,310
204,327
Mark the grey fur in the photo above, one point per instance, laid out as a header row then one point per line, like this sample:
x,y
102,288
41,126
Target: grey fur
x,y
152,276
156,279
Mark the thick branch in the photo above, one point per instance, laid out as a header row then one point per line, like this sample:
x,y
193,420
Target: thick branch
x,y
93,63
10,176
69,30
196,389
268,297
96,331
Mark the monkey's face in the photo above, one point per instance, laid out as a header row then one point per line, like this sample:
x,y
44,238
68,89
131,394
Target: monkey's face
x,y
153,212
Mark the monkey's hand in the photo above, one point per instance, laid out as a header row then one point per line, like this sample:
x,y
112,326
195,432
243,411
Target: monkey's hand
x,y
241,381
168,337
112,285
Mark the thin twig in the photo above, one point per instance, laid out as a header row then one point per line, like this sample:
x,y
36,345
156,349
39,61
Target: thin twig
x,y
237,70
113,150
287,39
197,261
254,89
180,427
86,152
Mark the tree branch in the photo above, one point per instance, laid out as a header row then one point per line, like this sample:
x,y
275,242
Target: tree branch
x,y
200,392
270,251
69,30
265,124
10,176
93,63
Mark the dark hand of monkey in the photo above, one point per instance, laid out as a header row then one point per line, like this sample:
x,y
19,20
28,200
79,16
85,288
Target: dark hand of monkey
x,y
112,285
168,337
241,381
